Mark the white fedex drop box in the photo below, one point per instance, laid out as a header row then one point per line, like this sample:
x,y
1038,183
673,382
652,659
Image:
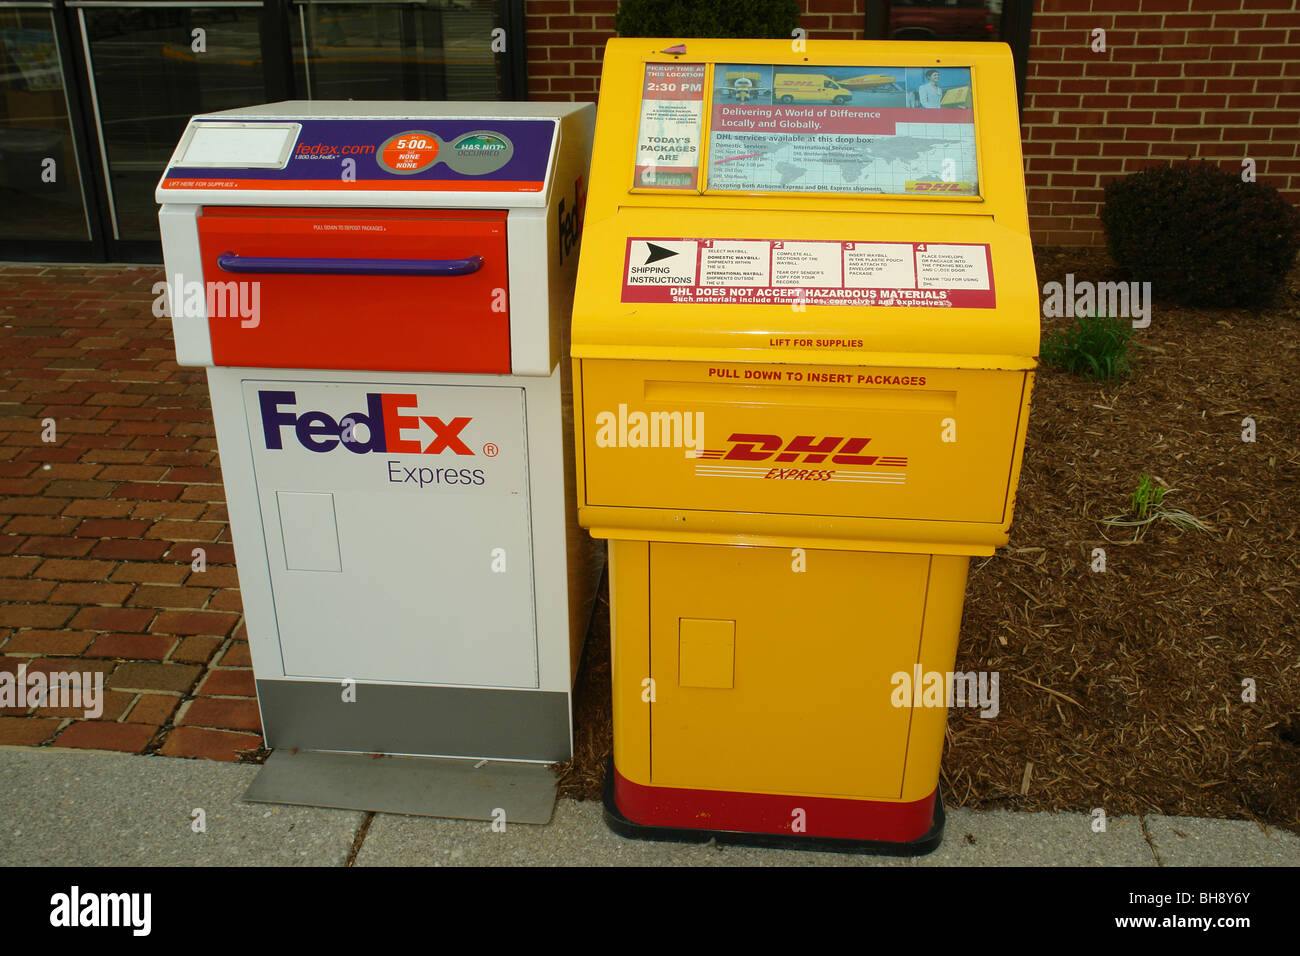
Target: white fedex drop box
x,y
380,293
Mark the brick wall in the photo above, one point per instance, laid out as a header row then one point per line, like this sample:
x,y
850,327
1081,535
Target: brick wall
x,y
565,42
1212,79
1180,79
567,37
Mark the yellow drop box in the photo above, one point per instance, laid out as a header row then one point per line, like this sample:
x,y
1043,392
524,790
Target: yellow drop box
x,y
804,338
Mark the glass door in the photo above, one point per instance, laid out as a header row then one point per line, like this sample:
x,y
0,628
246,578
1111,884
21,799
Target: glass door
x,y
395,51
150,67
43,200
94,94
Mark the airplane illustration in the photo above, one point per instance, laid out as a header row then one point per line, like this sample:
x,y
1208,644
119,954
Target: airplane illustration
x,y
877,82
742,87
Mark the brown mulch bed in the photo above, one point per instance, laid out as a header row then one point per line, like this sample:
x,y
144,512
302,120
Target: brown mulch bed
x,y
1123,689
593,720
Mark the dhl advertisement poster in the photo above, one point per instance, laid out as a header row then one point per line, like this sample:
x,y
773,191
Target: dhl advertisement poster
x,y
842,129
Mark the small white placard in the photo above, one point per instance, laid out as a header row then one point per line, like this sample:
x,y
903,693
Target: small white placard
x,y
309,530
800,264
237,145
952,266
879,265
726,262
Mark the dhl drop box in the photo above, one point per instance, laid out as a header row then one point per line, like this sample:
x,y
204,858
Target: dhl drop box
x,y
804,338
380,293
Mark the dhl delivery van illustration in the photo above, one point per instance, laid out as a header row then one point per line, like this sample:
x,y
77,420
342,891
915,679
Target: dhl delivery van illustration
x,y
810,88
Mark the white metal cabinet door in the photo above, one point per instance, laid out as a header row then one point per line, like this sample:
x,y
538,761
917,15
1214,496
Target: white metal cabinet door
x,y
425,575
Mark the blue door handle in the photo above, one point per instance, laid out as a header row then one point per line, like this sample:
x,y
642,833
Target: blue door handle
x,y
229,262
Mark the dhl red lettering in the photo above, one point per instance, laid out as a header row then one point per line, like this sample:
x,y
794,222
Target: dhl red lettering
x,y
814,451
849,453
808,448
747,445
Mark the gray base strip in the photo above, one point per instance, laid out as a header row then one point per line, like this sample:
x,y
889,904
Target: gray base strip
x,y
409,719
422,786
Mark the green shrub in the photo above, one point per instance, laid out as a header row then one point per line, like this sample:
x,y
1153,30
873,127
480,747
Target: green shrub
x,y
1200,235
773,19
1148,497
1095,346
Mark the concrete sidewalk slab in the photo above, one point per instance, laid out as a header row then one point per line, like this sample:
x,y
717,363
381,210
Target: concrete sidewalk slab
x,y
87,808
1004,838
1189,841
576,836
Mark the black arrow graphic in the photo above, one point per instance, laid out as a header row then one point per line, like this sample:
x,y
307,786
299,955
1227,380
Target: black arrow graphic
x,y
657,253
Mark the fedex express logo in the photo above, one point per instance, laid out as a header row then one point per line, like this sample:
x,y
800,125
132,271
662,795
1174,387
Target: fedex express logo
x,y
387,416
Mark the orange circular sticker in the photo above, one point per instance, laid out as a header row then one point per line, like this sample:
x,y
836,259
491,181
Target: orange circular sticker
x,y
409,152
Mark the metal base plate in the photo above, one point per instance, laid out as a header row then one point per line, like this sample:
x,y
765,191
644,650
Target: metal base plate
x,y
420,786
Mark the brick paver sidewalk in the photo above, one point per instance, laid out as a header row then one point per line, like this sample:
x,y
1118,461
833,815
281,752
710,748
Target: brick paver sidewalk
x,y
98,527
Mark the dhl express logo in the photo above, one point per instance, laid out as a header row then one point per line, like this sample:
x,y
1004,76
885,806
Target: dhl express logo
x,y
386,417
801,449
930,186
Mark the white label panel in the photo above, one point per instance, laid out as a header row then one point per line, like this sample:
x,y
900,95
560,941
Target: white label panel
x,y
800,264
951,267
879,265
309,531
238,145
662,262
736,262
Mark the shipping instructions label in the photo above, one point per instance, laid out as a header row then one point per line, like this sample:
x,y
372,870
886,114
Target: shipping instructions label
x,y
801,264
662,262
810,272
736,262
880,265
943,266
670,133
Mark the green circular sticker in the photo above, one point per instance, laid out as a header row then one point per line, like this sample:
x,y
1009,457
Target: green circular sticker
x,y
478,152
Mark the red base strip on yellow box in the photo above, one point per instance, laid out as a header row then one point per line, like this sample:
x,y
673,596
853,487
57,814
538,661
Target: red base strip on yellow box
x,y
759,819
